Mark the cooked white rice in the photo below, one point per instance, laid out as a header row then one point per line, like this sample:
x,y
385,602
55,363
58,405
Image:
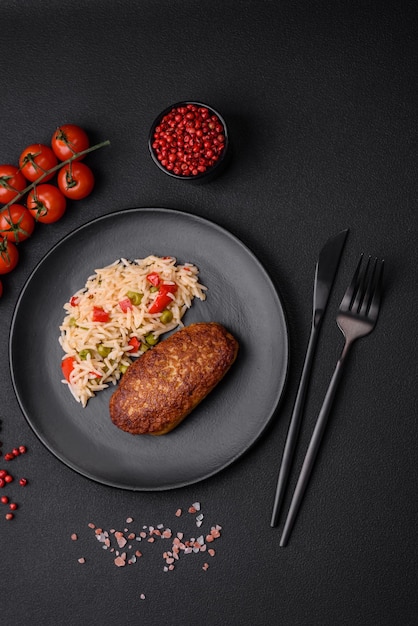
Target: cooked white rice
x,y
81,337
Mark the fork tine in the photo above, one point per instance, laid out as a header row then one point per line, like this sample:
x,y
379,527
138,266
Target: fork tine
x,y
352,288
368,289
375,302
362,289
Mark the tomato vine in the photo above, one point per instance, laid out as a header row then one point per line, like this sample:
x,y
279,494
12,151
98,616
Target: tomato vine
x,y
45,202
54,169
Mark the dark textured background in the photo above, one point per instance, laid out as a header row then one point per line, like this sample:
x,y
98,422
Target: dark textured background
x,y
321,100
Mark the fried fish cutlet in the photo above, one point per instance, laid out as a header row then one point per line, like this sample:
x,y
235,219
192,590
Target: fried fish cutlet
x,y
165,384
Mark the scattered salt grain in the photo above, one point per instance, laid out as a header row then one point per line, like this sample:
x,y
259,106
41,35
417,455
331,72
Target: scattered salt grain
x,y
82,560
142,596
153,535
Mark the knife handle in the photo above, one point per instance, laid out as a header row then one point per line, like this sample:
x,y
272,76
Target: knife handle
x,y
294,425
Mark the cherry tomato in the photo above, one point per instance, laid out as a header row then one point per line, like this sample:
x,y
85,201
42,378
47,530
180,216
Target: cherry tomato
x,y
76,180
69,139
16,223
46,203
9,256
11,182
35,160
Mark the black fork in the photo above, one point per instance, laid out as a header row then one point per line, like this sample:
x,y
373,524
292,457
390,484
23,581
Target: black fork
x,y
357,316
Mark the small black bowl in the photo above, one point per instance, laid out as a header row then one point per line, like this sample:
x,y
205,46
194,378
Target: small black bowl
x,y
175,115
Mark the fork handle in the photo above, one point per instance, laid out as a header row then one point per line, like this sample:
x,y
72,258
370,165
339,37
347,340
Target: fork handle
x,y
313,449
294,426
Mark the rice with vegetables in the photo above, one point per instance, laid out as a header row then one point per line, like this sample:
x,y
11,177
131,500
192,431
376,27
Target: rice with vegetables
x,y
119,314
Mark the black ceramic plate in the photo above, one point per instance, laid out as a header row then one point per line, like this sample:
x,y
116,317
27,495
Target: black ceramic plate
x,y
240,296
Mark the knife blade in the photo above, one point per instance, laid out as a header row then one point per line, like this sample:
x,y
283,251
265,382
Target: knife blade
x,y
325,272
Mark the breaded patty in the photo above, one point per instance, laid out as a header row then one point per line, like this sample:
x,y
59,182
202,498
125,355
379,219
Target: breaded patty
x,y
165,384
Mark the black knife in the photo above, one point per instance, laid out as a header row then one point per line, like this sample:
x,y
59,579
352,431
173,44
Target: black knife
x,y
326,269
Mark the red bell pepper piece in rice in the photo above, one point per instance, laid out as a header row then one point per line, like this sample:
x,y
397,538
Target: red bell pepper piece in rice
x,y
125,305
135,343
154,279
67,366
100,315
163,299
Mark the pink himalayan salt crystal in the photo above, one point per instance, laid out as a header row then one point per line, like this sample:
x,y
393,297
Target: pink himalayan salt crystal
x,y
120,561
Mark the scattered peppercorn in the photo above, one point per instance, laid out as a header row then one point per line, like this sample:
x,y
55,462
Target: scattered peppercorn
x,y
6,478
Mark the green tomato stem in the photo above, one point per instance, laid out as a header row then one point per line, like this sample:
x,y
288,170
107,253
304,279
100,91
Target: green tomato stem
x,y
76,155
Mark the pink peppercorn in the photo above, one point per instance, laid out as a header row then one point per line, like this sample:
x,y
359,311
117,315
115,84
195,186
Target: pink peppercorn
x,y
23,482
9,516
